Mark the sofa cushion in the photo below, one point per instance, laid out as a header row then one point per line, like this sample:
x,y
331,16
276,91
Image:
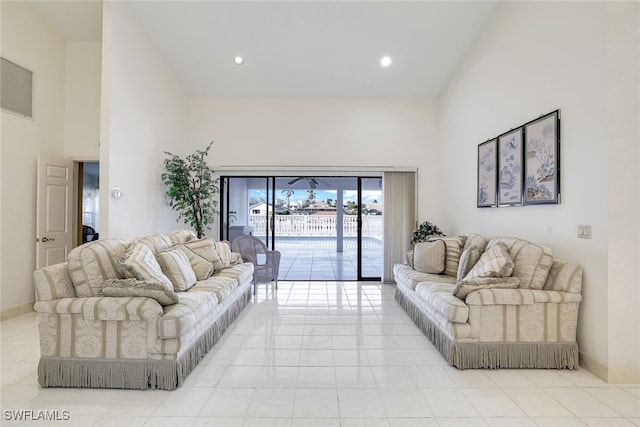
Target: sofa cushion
x,y
408,277
440,297
180,318
532,262
140,263
243,273
206,248
181,236
429,257
468,259
221,286
223,249
464,288
156,242
140,288
200,266
176,266
94,262
454,250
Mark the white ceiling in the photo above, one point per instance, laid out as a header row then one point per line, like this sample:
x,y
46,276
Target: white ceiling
x,y
298,48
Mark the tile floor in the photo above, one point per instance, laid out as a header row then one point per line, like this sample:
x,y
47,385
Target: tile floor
x,y
322,354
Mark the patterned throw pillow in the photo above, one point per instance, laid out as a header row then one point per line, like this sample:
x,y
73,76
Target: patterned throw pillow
x,y
140,288
429,257
468,259
223,249
140,263
176,266
202,267
491,271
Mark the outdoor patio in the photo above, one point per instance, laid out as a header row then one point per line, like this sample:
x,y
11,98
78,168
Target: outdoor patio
x,y
315,258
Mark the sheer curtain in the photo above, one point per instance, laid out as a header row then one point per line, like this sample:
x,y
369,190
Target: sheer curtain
x,y
399,189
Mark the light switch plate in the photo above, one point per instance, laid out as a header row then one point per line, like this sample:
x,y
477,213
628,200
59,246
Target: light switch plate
x,y
584,231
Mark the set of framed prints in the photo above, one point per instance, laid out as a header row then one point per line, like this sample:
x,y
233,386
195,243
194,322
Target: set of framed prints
x,y
521,166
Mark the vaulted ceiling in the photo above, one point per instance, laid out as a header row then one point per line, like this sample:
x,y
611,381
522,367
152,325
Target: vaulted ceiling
x,y
297,48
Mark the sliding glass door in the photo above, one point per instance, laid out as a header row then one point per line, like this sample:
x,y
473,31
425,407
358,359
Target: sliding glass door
x,y
326,228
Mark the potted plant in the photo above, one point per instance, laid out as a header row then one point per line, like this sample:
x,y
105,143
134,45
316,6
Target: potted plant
x,y
191,189
425,231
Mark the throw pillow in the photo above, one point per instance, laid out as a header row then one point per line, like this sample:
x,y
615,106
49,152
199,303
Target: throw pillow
x,y
176,266
429,257
491,271
206,248
409,258
159,291
494,262
200,266
468,259
223,250
140,263
454,249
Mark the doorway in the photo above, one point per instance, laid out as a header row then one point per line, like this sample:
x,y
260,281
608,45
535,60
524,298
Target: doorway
x,y
326,228
88,202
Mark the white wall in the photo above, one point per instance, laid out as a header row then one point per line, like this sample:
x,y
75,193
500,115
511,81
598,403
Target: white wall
x,y
29,42
535,57
82,106
143,114
317,132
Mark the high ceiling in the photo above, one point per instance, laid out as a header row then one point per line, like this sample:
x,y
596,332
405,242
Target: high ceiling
x,y
299,48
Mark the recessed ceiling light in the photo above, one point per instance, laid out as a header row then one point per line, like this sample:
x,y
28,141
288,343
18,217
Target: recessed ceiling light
x,y
385,61
239,60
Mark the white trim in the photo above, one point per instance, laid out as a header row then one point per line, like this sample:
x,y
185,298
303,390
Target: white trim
x,y
279,170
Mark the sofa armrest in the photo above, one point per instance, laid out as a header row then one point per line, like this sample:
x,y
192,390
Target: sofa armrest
x,y
498,296
104,308
53,282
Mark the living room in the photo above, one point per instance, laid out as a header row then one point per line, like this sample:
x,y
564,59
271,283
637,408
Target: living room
x,y
529,59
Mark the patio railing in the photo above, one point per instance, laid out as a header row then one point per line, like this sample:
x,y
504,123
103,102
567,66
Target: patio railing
x,y
317,225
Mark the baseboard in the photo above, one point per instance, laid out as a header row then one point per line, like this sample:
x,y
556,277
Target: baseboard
x,y
610,374
16,311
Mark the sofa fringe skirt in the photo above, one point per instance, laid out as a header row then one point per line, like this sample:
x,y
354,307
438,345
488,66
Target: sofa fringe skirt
x,y
491,355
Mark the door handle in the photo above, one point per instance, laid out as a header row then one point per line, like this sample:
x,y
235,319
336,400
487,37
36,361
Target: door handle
x,y
46,239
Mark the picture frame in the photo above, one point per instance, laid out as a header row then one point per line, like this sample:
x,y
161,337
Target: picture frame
x,y
510,168
487,174
542,160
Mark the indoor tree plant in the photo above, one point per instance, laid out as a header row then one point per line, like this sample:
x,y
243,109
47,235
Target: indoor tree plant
x,y
191,189
425,231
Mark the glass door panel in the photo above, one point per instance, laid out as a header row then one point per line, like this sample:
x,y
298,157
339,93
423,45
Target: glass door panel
x,y
370,220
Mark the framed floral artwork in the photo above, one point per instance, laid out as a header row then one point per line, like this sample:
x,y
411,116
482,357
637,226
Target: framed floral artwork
x,y
510,168
487,174
542,160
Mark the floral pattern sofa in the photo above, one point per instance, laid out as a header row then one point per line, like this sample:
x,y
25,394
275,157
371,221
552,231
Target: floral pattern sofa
x,y
137,314
499,303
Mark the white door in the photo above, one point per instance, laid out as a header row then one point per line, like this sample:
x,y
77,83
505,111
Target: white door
x,y
54,216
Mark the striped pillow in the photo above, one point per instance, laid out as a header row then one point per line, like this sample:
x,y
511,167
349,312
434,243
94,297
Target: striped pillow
x,y
494,262
176,266
93,263
223,249
468,259
200,266
140,263
454,250
206,248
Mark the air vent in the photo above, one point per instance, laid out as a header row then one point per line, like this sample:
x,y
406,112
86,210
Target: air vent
x,y
16,91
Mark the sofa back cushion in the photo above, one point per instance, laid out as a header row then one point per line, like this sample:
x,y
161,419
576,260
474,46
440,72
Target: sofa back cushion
x,y
564,276
429,257
93,263
155,242
181,236
473,240
532,262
